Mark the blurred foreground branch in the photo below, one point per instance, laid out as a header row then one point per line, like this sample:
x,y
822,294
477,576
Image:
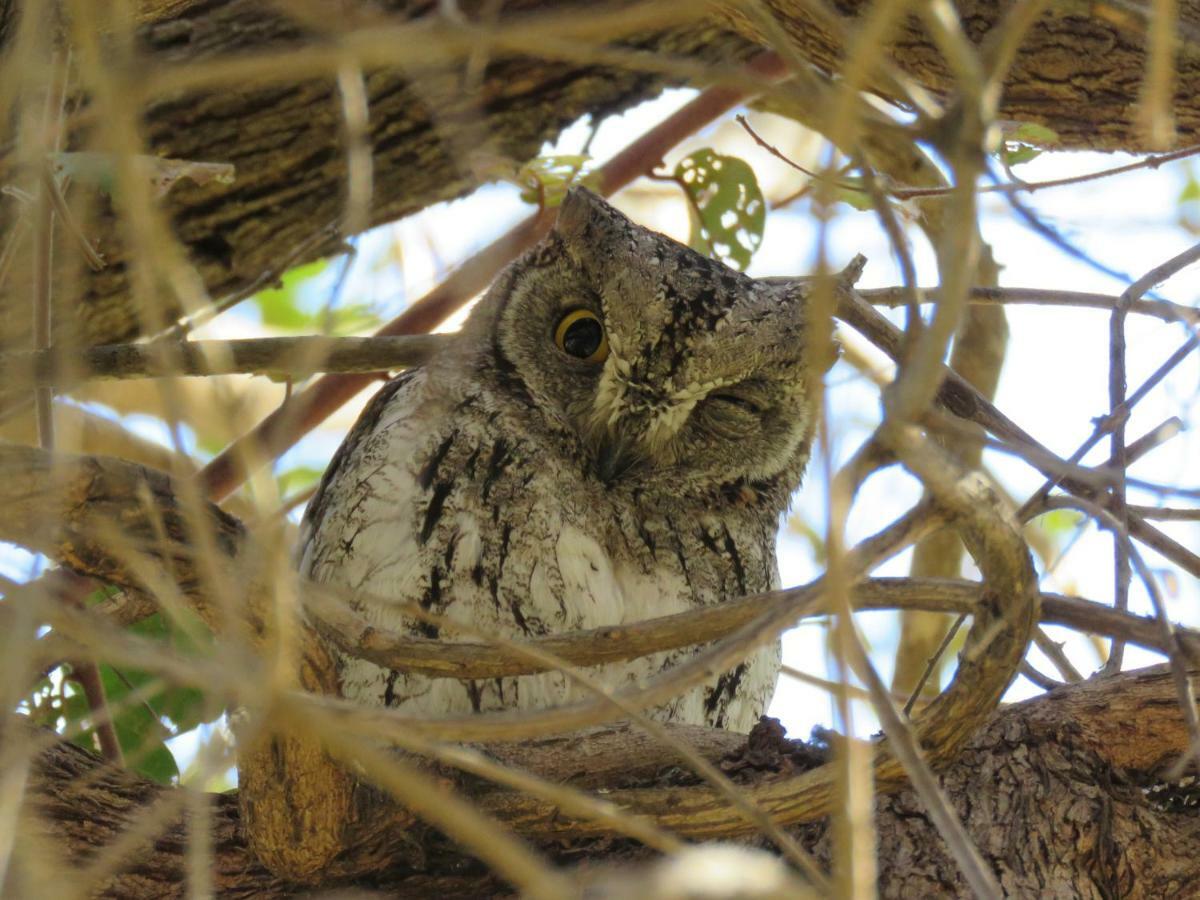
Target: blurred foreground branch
x,y
293,357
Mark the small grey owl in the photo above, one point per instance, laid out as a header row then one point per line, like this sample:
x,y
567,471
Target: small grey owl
x,y
612,437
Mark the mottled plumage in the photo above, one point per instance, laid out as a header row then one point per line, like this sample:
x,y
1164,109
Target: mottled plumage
x,y
520,487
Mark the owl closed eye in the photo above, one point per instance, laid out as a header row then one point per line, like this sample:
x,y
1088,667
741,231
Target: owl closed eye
x,y
646,356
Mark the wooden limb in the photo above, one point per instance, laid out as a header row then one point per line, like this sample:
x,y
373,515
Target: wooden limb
x,y
295,357
1080,746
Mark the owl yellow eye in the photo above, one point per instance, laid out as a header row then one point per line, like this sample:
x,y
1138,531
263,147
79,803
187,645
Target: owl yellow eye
x,y
581,334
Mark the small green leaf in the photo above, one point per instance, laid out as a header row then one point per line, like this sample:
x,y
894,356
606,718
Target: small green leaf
x,y
1025,141
546,179
1015,154
280,306
1033,133
1191,190
298,479
728,213
1060,522
849,192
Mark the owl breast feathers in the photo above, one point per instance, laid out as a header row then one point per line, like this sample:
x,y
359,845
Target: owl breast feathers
x,y
612,437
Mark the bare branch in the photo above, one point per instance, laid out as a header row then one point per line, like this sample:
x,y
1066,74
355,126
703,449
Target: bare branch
x,y
295,357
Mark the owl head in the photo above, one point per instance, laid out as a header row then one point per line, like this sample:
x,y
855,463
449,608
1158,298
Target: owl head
x,y
652,364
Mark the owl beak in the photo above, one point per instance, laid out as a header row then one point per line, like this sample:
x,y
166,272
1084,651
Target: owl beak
x,y
615,455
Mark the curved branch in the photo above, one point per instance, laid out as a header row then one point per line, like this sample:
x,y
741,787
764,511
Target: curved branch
x,y
30,486
81,485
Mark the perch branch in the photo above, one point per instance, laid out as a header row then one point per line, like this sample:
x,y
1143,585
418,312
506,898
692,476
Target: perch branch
x,y
1128,721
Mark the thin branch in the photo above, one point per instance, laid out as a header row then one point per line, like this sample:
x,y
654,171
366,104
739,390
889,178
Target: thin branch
x,y
963,400
1178,654
932,663
1149,162
1165,514
905,192
1054,652
1118,463
1045,682
87,675
1159,309
1153,439
293,357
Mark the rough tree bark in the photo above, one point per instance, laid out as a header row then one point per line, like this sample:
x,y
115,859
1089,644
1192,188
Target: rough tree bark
x,y
1079,72
1052,791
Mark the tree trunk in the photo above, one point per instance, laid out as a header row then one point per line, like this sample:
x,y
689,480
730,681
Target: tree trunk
x,y
430,125
1053,791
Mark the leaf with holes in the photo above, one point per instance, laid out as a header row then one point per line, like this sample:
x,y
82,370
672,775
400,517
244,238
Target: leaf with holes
x,y
728,213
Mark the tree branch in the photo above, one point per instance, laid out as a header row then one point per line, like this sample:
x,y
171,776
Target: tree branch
x,y
294,357
1079,746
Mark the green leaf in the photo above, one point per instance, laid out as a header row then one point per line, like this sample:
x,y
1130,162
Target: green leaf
x,y
1025,141
141,734
351,319
546,179
1060,522
1191,190
1015,154
849,192
728,213
298,479
138,721
280,306
1032,133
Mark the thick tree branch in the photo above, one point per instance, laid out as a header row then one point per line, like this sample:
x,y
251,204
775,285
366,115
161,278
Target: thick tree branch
x,y
1077,72
295,357
1062,815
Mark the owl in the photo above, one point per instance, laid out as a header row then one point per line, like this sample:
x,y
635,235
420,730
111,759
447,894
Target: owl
x,y
613,436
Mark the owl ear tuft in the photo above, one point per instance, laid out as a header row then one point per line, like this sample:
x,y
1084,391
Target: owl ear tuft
x,y
579,208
